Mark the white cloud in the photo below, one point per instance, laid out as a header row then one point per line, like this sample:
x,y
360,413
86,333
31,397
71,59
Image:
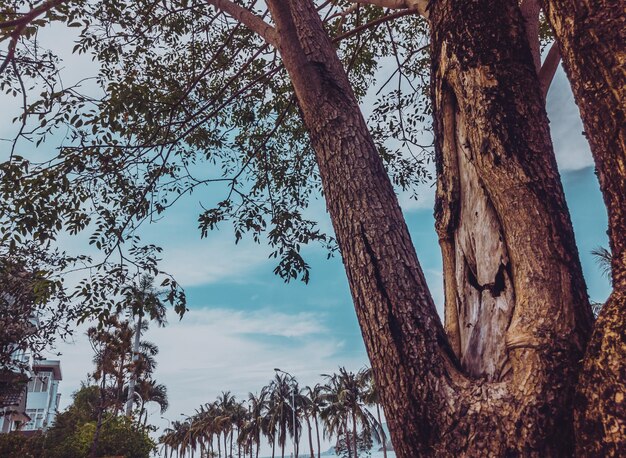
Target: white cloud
x,y
196,262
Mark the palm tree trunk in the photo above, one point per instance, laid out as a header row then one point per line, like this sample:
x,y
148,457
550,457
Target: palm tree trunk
x,y
308,424
273,444
133,378
347,437
225,446
355,438
317,433
384,434
231,443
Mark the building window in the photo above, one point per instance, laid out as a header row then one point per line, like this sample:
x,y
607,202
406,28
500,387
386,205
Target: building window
x,y
39,383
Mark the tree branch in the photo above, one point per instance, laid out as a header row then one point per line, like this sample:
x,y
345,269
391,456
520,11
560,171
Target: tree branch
x,y
421,6
247,18
32,14
374,23
548,69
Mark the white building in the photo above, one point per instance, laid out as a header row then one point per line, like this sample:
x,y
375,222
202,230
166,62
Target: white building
x,y
42,402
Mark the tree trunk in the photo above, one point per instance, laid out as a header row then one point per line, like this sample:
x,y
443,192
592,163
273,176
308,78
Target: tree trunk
x,y
489,106
516,306
317,433
133,377
96,435
355,438
592,37
347,437
308,424
384,434
396,313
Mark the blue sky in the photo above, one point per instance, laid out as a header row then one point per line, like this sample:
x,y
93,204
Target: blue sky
x,y
244,321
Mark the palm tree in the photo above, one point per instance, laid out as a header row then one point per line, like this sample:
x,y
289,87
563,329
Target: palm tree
x,y
344,396
315,405
335,413
141,300
106,342
371,397
226,406
151,391
258,407
281,409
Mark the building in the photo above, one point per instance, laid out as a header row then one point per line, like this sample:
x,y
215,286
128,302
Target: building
x,y
42,402
13,389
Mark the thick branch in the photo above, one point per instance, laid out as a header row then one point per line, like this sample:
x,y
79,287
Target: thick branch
x,y
250,20
548,69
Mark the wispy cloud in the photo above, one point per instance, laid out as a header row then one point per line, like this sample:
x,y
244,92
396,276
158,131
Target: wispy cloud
x,y
211,350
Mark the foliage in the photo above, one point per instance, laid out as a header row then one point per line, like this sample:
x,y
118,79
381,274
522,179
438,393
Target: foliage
x,y
364,444
72,433
33,308
187,100
13,445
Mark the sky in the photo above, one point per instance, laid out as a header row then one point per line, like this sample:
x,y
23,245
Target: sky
x,y
243,321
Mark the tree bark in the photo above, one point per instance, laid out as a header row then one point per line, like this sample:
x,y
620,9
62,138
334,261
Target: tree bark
x,y
317,433
403,335
308,424
592,37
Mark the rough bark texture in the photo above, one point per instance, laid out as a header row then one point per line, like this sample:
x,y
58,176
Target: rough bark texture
x,y
592,40
511,265
488,98
403,335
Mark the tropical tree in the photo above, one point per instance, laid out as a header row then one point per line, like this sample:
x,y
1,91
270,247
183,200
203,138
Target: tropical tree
x,y
371,398
346,407
151,391
141,300
255,426
316,404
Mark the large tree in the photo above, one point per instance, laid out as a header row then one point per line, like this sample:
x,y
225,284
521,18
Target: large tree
x,y
499,379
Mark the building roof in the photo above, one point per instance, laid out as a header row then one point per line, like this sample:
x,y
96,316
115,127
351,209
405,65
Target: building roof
x,y
49,364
